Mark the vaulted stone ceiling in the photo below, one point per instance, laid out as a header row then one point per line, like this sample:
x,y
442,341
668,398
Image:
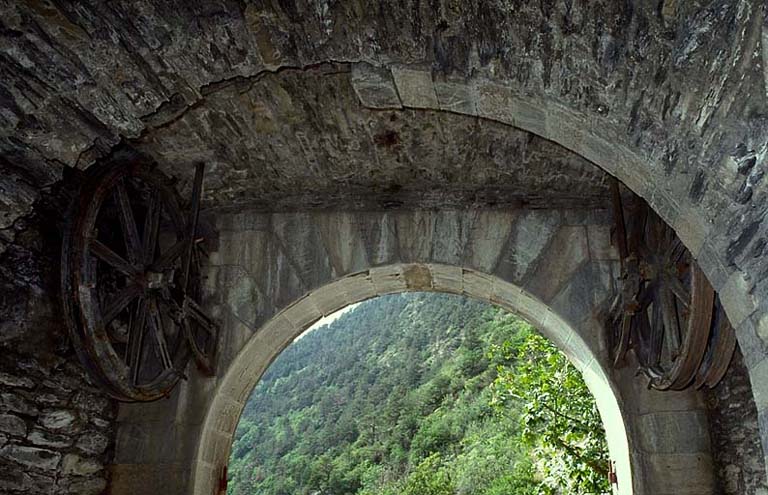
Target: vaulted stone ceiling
x,y
301,139
681,85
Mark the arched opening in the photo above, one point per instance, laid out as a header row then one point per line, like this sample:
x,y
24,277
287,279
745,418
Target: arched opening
x,y
280,331
414,390
655,94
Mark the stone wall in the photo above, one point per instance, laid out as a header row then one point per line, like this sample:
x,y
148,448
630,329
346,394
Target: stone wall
x,y
56,428
271,275
735,435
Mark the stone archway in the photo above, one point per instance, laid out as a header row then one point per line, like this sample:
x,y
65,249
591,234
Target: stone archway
x,y
670,97
270,340
266,280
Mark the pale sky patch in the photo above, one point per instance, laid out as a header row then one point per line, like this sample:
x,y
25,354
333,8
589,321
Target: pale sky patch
x,y
327,320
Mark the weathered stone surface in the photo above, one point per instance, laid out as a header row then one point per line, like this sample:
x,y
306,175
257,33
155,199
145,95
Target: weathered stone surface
x,y
92,442
670,97
12,425
33,445
31,457
415,87
47,439
87,486
91,403
375,87
18,404
60,421
735,433
79,466
15,381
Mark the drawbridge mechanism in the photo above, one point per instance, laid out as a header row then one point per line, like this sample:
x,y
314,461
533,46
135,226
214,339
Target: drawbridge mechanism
x,y
131,283
665,311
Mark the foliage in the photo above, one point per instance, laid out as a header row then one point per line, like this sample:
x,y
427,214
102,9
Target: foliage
x,y
406,394
560,422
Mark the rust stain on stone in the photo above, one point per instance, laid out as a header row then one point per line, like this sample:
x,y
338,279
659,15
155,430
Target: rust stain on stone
x,y
387,138
417,277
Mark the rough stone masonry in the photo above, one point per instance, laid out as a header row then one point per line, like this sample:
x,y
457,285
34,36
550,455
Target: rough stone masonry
x,y
362,106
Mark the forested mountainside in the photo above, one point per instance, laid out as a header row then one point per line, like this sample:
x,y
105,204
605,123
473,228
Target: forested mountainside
x,y
420,394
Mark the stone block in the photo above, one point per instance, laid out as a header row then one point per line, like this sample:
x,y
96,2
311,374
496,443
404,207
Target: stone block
x,y
501,103
89,402
31,457
330,299
44,438
62,421
388,279
359,286
577,299
92,443
457,96
17,404
417,277
450,236
760,327
600,246
530,235
447,278
343,242
710,261
638,399
303,312
415,87
562,258
737,300
565,126
758,376
679,474
133,479
80,466
375,87
15,381
673,432
13,425
379,235
477,285
415,232
90,485
488,237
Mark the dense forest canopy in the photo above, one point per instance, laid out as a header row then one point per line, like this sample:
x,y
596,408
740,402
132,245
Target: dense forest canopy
x,y
420,394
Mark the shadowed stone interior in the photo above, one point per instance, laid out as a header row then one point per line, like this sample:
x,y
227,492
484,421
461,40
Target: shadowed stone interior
x,y
302,140
396,126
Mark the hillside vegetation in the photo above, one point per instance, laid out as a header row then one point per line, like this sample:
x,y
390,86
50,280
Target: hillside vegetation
x,y
420,394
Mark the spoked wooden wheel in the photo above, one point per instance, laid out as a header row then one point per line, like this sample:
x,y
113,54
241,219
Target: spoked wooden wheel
x,y
664,310
131,285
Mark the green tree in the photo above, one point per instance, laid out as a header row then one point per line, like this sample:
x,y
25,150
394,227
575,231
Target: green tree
x,y
404,395
559,419
429,478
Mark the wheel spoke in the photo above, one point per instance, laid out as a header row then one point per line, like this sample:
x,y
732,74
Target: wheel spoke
x,y
120,302
105,254
128,223
657,332
682,294
641,338
156,323
675,251
671,323
170,256
199,315
152,226
136,332
623,339
646,295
